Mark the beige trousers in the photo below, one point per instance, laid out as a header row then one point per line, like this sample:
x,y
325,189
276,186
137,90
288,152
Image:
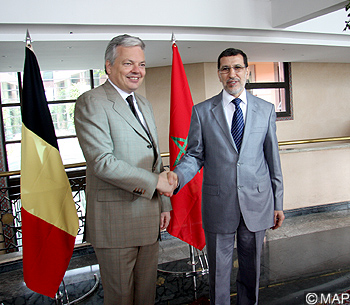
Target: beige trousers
x,y
129,275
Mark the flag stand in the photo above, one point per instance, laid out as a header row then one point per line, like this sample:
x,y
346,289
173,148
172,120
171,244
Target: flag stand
x,y
202,270
59,298
203,261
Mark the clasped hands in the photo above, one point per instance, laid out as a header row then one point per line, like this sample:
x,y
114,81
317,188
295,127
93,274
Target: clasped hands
x,y
167,183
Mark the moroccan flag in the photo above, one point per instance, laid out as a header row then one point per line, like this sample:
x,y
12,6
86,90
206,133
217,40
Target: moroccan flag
x,y
49,217
186,216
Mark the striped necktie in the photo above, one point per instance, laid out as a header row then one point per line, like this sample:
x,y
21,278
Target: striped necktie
x,y
237,124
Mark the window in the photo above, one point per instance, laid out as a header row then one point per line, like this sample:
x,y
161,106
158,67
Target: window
x,y
62,88
271,82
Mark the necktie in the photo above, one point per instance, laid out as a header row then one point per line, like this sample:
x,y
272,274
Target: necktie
x,y
237,124
130,101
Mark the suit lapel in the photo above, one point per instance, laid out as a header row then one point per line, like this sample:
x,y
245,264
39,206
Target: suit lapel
x,y
219,114
148,116
120,106
250,118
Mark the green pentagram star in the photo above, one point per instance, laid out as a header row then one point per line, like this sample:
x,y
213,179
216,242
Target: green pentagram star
x,y
181,147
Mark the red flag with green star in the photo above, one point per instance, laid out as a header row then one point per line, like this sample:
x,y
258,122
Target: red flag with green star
x,y
186,216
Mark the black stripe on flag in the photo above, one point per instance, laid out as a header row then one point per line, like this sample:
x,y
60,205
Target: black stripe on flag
x,y
35,111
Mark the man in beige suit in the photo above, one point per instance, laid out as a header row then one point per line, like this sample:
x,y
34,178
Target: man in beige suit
x,y
124,212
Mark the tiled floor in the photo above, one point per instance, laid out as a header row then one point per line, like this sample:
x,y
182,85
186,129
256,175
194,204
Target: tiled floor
x,y
310,253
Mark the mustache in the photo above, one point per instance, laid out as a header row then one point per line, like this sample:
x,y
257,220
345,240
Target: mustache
x,y
236,79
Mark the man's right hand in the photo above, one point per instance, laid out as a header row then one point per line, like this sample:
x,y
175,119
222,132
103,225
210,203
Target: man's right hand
x,y
167,183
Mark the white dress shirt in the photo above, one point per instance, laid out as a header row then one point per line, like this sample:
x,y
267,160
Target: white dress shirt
x,y
230,107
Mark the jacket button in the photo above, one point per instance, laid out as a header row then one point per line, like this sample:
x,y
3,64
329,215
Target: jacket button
x,y
149,146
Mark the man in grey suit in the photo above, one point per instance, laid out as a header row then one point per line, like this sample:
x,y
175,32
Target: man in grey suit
x,y
233,137
124,212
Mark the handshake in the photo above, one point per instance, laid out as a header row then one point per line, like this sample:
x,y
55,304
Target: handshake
x,y
167,183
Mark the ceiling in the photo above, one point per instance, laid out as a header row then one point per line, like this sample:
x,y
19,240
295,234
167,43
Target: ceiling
x,y
73,46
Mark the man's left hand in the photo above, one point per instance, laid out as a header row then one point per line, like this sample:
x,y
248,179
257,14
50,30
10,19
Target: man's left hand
x,y
278,219
164,220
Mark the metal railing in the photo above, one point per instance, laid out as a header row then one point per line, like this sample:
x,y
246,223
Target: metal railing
x,y
10,208
10,199
311,141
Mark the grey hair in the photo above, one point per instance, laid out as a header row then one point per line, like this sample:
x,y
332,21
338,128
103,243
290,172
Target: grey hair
x,y
124,41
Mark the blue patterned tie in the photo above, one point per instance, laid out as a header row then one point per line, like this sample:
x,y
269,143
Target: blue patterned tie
x,y
237,124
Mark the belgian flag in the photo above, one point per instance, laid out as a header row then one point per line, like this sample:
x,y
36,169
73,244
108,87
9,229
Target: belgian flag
x,y
49,217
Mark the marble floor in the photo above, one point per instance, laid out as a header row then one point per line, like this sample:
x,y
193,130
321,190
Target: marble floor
x,y
309,254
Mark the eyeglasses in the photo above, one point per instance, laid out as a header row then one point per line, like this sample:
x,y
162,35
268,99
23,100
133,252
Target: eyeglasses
x,y
227,69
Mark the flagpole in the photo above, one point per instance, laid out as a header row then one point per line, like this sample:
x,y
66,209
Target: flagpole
x,y
193,263
173,38
28,41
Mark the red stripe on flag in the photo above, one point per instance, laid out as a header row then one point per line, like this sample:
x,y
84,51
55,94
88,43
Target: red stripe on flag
x,y
44,246
186,216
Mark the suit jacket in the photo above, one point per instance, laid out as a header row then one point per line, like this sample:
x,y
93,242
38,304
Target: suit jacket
x,y
249,183
123,209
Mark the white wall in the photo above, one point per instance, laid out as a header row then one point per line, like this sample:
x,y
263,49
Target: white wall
x,y
321,102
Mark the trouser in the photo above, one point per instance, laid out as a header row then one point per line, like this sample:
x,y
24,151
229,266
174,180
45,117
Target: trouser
x,y
129,275
220,252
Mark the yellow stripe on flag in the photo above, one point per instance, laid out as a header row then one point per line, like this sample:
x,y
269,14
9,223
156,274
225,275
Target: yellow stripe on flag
x,y
50,185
